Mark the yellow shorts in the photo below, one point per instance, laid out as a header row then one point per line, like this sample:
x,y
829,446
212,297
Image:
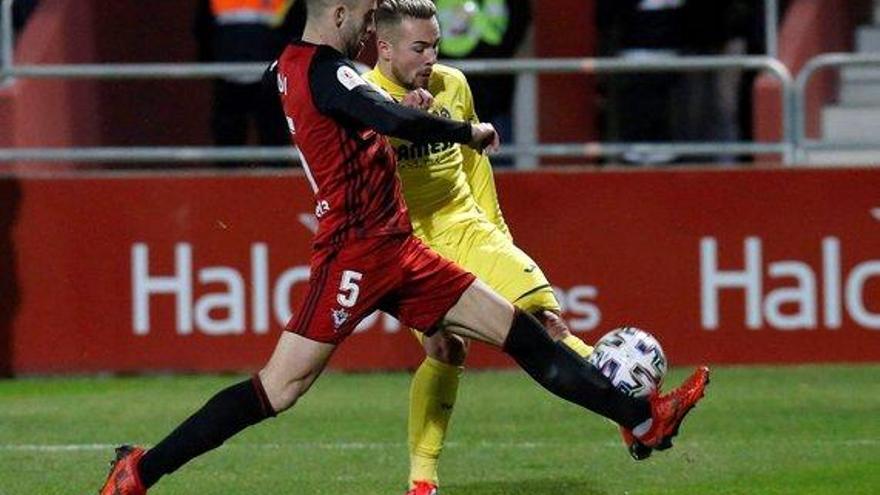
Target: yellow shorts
x,y
480,248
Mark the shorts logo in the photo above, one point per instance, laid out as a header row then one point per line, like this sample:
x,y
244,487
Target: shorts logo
x,y
340,316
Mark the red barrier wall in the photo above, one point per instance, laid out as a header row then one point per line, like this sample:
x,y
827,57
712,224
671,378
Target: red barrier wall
x,y
55,112
198,272
145,112
567,102
45,112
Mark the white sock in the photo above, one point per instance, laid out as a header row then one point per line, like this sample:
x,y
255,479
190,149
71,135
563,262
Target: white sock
x,y
642,428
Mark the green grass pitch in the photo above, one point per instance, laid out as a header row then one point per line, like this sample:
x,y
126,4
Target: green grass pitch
x,y
761,430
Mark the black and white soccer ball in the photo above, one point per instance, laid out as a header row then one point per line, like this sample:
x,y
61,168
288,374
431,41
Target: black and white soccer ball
x,y
632,359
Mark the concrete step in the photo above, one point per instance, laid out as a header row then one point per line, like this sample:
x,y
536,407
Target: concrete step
x,y
867,158
860,85
868,39
858,93
851,124
860,74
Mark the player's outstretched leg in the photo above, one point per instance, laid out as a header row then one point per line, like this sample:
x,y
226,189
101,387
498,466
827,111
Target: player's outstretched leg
x,y
482,314
294,366
667,413
432,398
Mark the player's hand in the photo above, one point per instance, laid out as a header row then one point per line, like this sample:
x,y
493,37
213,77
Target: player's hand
x,y
418,98
484,137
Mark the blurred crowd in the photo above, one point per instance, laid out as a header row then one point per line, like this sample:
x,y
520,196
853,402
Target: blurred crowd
x,y
655,107
256,30
679,106
675,106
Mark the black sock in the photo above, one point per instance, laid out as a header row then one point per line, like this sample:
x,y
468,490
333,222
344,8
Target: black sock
x,y
561,371
227,413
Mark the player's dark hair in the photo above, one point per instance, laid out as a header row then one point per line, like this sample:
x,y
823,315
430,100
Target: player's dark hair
x,y
392,12
314,8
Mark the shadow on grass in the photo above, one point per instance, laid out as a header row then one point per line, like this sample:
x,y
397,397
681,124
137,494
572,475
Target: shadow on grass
x,y
554,486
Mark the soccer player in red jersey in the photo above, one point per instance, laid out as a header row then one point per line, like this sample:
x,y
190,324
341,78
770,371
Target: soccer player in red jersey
x,y
365,258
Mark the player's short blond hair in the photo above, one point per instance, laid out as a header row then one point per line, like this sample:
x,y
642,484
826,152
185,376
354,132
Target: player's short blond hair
x,y
391,12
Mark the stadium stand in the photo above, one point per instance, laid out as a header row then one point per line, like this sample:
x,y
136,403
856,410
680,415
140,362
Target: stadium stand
x,y
827,33
855,116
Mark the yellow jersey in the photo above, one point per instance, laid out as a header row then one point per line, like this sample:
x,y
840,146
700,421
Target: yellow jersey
x,y
444,184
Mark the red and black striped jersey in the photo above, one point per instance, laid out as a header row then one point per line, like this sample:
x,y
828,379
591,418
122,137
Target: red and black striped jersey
x,y
339,123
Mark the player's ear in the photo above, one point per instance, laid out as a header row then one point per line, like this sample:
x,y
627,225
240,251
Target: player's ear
x,y
339,14
384,48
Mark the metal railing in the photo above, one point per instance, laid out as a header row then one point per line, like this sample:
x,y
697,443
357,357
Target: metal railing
x,y
771,27
524,147
522,67
672,64
802,143
7,39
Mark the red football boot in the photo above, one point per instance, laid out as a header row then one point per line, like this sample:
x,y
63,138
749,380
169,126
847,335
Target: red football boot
x,y
638,451
667,413
124,478
423,488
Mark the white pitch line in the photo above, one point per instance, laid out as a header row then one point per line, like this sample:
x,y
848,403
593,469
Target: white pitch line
x,y
56,448
90,447
74,447
306,445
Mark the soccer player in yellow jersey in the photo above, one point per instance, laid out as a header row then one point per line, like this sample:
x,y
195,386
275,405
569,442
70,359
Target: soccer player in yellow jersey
x,y
450,193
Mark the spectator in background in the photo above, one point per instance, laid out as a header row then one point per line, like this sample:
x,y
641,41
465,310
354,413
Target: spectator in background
x,y
246,31
642,106
706,106
478,29
709,112
750,31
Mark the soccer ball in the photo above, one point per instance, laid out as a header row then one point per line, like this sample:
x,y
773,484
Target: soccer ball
x,y
632,359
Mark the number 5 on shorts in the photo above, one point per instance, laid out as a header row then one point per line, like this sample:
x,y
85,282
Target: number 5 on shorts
x,y
348,288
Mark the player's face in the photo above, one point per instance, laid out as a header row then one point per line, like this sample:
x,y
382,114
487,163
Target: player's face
x,y
414,51
358,27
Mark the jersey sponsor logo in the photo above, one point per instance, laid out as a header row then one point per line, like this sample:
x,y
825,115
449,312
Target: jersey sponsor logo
x,y
410,151
349,78
415,151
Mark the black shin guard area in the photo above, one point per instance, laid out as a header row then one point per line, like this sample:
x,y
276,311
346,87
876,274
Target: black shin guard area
x,y
227,413
561,371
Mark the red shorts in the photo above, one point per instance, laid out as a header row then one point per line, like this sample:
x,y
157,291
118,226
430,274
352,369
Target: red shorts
x,y
396,274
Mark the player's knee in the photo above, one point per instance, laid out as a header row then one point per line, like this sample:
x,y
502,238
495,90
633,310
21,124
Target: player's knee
x,y
282,391
447,348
